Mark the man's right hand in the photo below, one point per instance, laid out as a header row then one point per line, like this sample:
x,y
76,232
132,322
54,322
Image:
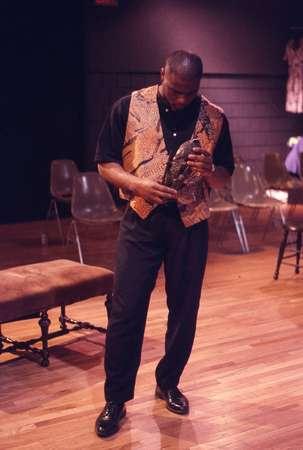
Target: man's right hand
x,y
153,192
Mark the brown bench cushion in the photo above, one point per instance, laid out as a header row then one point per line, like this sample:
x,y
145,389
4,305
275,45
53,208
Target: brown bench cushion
x,y
28,289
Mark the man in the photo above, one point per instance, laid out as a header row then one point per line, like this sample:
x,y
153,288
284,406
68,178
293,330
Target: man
x,y
142,132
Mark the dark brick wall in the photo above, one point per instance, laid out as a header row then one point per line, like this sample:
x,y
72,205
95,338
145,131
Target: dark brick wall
x,y
241,42
254,106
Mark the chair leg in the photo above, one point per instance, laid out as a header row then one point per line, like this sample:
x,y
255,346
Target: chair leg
x,y
74,225
298,251
239,225
54,207
44,323
242,228
281,253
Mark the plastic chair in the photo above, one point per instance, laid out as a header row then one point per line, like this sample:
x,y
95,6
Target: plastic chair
x,y
92,203
62,174
275,173
249,189
217,204
292,221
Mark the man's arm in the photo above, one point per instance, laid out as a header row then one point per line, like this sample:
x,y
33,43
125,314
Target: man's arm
x,y
216,176
151,191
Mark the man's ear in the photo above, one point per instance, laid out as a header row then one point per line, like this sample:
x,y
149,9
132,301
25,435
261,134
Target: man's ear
x,y
162,71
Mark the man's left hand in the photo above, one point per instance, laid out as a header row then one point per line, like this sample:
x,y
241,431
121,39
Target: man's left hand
x,y
201,161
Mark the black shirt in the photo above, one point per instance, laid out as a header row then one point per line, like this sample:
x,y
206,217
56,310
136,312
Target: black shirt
x,y
177,127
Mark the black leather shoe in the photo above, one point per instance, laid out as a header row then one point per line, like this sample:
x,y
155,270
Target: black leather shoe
x,y
176,402
108,422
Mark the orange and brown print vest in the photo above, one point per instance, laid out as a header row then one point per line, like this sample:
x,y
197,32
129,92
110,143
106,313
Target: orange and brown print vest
x,y
144,153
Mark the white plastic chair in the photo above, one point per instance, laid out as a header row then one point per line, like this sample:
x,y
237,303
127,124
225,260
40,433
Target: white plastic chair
x,y
62,174
248,189
92,204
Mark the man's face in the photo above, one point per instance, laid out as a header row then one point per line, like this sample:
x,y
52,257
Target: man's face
x,y
178,91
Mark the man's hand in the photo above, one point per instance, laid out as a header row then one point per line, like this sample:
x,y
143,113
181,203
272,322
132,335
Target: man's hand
x,y
153,192
200,161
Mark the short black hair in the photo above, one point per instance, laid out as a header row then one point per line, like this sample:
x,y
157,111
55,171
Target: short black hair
x,y
185,64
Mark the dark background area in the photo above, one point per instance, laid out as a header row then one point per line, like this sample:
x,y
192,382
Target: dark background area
x,y
41,95
64,62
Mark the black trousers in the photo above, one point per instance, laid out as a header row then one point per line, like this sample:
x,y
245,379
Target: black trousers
x,y
142,247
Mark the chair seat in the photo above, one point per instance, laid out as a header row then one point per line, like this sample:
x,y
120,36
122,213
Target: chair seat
x,y
222,206
97,216
263,203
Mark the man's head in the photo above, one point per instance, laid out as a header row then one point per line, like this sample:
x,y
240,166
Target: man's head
x,y
180,78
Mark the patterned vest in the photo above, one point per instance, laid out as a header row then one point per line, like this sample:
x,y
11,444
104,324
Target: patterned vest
x,y
145,155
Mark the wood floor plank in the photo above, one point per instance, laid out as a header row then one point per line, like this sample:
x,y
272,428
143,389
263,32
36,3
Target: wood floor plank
x,y
244,378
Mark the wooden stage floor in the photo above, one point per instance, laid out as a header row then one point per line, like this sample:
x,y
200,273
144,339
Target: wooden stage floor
x,y
244,380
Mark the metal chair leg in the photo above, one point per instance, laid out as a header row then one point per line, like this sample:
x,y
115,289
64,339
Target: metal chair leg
x,y
242,228
239,225
298,251
54,207
74,225
280,254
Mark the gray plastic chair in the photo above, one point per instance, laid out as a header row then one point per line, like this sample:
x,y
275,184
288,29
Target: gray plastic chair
x,y
92,204
249,189
62,174
275,173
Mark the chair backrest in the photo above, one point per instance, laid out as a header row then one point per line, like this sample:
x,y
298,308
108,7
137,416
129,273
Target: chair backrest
x,y
214,197
62,176
242,186
91,199
247,185
274,170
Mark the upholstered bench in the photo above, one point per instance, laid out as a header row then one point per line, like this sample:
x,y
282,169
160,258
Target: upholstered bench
x,y
30,291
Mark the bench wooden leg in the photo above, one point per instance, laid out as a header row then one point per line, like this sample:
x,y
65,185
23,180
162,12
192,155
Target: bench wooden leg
x,y
62,320
44,323
1,340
